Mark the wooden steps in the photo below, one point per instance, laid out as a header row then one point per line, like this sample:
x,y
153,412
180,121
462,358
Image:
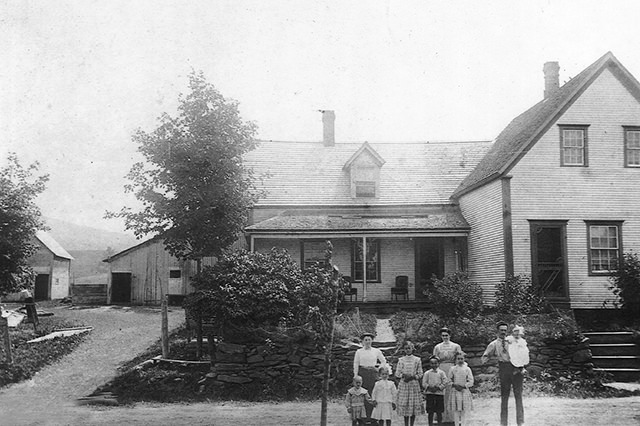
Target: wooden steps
x,y
616,352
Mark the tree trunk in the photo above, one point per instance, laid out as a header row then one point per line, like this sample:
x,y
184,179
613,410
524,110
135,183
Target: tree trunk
x,y
329,348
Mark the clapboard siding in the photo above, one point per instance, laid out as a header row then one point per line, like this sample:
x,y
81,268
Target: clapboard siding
x,y
482,208
605,190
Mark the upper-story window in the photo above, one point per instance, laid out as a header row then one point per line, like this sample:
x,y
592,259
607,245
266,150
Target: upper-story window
x,y
604,245
632,146
365,189
573,146
175,273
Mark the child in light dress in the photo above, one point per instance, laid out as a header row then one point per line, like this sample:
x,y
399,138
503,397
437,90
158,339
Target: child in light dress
x,y
384,396
461,379
354,401
518,350
434,383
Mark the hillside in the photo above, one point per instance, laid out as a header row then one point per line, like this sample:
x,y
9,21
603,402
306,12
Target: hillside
x,y
76,237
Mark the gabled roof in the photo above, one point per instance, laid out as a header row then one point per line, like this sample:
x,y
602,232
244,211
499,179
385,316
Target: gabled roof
x,y
309,173
525,130
52,245
132,248
364,148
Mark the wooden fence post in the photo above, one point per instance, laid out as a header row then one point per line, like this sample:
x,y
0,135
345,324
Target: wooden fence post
x,y
4,326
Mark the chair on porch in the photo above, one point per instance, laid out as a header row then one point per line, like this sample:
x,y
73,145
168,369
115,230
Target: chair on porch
x,y
349,290
401,288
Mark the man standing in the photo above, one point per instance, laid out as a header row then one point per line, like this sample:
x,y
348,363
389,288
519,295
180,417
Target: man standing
x,y
498,348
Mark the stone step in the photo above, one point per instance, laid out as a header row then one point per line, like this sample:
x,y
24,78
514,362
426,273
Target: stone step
x,y
612,349
622,374
610,337
624,361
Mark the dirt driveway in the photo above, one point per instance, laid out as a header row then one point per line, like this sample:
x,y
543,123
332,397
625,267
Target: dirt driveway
x,y
119,334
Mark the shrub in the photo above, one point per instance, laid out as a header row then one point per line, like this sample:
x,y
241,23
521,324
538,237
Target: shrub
x,y
516,295
253,289
625,283
351,325
455,295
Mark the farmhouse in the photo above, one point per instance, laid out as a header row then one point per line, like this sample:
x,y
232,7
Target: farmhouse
x,y
552,197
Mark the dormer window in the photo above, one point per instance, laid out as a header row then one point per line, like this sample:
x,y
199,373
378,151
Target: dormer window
x,y
364,172
365,189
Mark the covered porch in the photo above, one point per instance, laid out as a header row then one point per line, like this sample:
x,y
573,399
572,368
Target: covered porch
x,y
372,251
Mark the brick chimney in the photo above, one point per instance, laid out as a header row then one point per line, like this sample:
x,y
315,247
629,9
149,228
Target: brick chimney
x,y
551,78
328,127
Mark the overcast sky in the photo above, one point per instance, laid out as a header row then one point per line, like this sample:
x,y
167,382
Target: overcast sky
x,y
77,77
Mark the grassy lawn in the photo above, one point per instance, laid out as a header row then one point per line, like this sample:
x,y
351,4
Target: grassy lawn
x,y
29,358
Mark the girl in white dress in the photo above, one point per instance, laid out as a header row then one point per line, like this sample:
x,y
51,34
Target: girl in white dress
x,y
461,379
384,396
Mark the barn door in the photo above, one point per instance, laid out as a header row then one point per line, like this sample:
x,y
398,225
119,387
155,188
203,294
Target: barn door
x,y
121,287
42,287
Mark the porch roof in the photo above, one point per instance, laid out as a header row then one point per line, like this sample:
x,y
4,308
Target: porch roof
x,y
446,221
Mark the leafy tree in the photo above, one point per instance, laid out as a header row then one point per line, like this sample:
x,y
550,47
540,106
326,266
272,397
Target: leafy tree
x,y
20,218
194,188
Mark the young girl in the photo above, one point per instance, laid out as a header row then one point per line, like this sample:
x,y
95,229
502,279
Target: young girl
x,y
384,396
434,382
409,371
354,401
518,350
461,379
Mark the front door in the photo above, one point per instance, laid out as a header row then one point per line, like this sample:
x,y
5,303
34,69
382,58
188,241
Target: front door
x,y
42,287
548,258
121,287
429,262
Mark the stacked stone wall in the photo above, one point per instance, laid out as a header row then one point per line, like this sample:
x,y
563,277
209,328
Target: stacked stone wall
x,y
298,360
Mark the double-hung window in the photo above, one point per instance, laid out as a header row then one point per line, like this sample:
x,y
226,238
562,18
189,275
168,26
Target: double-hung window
x,y
573,146
604,241
372,263
632,146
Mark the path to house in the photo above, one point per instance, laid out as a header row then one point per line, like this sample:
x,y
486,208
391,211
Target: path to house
x,y
119,334
384,333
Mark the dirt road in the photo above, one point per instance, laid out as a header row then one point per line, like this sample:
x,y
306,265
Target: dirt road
x,y
119,334
538,412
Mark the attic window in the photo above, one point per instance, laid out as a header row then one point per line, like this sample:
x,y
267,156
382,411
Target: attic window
x,y
365,189
175,273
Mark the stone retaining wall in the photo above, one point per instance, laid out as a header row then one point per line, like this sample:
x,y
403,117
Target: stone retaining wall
x,y
298,360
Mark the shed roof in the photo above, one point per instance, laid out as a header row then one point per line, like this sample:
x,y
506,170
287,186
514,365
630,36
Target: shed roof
x,y
525,130
52,245
443,220
309,173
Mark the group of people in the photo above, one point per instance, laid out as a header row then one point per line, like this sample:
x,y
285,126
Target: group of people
x,y
443,389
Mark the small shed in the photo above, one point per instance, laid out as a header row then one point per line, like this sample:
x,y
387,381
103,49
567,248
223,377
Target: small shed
x,y
140,274
52,265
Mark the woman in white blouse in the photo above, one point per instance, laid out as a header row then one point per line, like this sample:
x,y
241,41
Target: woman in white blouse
x,y
365,364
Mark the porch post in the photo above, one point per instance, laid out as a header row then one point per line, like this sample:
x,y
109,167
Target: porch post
x,y
364,268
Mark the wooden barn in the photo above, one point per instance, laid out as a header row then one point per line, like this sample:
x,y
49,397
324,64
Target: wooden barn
x,y
52,265
140,274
